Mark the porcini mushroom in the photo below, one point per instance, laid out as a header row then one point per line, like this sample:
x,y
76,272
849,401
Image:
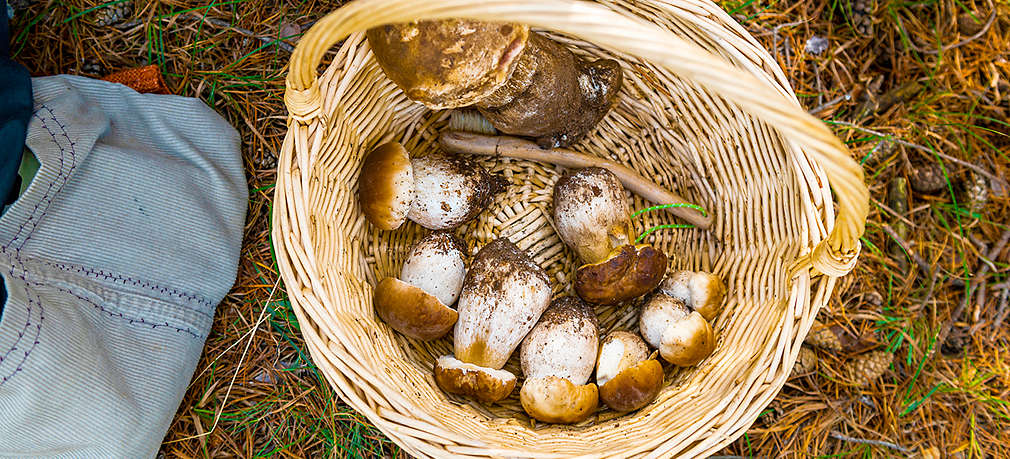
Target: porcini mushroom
x,y
557,358
504,293
682,336
592,217
436,191
523,82
418,303
700,291
627,377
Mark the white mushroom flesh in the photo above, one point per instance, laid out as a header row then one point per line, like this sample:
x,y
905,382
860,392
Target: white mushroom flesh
x,y
436,265
659,313
447,191
563,344
619,351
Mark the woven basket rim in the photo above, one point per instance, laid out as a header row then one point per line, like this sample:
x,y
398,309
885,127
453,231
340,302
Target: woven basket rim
x,y
330,344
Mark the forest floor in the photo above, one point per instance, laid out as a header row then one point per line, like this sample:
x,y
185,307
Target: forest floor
x,y
918,90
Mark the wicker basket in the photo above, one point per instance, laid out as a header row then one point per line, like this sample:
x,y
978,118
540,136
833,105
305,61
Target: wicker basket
x,y
704,111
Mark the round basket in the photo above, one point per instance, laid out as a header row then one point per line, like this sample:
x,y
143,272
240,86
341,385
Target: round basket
x,y
704,111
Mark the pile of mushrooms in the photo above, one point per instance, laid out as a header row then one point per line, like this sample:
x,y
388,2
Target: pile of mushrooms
x,y
526,84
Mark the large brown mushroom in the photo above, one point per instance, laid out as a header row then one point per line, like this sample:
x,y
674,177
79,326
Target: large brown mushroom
x,y
504,294
437,191
557,358
523,82
418,304
627,377
592,217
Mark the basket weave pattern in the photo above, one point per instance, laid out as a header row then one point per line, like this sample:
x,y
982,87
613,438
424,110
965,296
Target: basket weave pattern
x,y
704,111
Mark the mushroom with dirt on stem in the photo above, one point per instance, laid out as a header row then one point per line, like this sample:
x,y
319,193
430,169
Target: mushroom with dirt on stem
x,y
557,358
523,82
437,191
504,294
628,377
418,304
592,216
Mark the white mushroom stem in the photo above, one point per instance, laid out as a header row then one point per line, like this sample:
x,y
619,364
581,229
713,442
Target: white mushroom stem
x,y
512,147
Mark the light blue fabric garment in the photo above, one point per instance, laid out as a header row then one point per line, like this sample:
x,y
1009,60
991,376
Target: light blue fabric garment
x,y
114,259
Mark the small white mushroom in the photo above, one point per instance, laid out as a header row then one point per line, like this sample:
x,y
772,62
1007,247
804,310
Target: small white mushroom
x,y
682,336
701,291
504,294
557,358
628,379
418,304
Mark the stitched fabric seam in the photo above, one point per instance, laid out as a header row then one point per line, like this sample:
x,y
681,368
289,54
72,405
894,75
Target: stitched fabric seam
x,y
46,201
49,189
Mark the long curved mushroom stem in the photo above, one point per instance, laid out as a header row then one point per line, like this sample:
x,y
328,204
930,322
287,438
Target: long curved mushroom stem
x,y
512,147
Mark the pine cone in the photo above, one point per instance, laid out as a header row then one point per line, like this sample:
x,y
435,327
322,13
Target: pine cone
x,y
976,193
806,362
862,16
113,14
866,368
927,178
823,337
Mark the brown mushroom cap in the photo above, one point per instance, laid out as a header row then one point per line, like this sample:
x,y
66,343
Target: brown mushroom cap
x,y
448,63
701,291
412,311
591,213
628,272
558,401
504,294
437,265
619,351
563,344
386,186
633,387
683,337
450,190
485,384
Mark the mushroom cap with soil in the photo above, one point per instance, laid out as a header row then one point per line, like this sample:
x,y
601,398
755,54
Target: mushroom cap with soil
x,y
504,294
448,63
418,303
558,357
450,190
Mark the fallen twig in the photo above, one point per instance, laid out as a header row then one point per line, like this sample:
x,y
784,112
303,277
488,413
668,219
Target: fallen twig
x,y
886,444
512,147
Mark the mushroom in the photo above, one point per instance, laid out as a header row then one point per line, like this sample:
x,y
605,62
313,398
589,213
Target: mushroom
x,y
682,336
418,303
523,82
557,358
504,294
592,217
437,191
627,377
701,291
